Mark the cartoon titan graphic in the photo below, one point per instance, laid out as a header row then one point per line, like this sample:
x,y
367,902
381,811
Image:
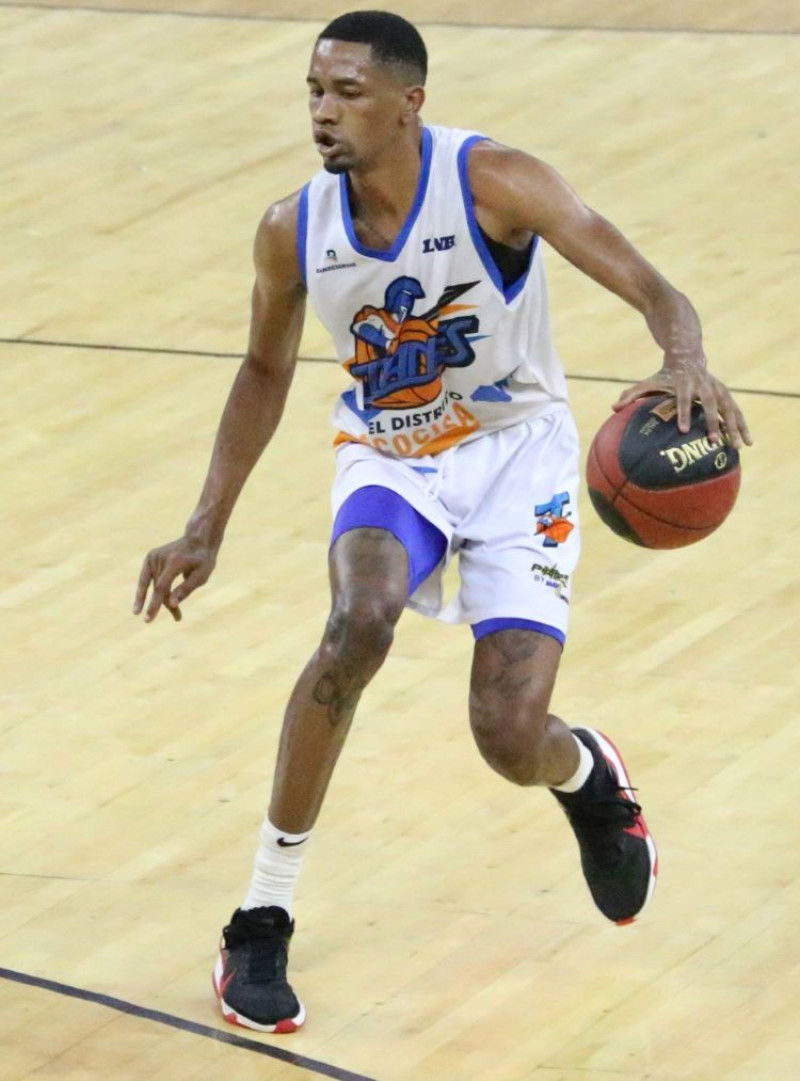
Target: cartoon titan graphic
x,y
400,357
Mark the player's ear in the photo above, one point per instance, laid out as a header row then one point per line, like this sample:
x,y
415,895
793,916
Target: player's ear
x,y
415,99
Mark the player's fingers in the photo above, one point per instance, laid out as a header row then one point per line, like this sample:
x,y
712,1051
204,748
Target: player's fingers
x,y
173,610
734,422
630,394
711,404
192,581
160,594
744,430
622,401
145,577
683,391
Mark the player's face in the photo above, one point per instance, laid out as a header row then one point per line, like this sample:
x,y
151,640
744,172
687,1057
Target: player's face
x,y
357,107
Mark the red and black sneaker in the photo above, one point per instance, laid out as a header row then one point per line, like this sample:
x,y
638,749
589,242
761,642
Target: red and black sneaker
x,y
250,974
618,854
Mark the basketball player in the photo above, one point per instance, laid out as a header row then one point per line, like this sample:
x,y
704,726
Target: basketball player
x,y
420,249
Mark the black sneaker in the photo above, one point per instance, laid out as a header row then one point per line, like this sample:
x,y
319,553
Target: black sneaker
x,y
618,855
250,974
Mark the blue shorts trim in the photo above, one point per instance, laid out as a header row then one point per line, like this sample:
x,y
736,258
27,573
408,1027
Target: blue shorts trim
x,y
489,626
376,507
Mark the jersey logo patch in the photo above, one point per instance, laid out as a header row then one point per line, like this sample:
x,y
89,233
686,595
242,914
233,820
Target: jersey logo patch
x,y
437,243
399,356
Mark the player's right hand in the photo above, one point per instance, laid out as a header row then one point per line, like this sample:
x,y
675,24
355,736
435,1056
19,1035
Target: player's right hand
x,y
186,558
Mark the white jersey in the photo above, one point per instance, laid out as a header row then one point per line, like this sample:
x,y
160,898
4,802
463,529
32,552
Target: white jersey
x,y
439,351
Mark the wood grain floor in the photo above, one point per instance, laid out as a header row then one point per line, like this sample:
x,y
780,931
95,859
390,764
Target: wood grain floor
x,y
444,928
695,16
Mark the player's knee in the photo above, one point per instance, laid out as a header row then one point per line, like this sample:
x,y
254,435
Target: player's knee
x,y
360,631
511,736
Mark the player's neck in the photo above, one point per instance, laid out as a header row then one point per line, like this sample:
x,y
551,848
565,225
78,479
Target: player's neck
x,y
381,196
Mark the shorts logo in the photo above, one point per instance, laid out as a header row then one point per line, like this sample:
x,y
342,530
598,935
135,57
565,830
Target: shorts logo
x,y
553,521
400,356
553,578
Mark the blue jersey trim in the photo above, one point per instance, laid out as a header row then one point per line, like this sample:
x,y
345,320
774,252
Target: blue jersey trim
x,y
302,232
474,229
491,626
391,254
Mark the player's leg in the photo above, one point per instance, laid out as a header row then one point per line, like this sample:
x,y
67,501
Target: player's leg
x,y
369,584
513,675
382,549
519,550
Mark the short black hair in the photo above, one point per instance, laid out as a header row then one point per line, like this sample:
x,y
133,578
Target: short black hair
x,y
393,39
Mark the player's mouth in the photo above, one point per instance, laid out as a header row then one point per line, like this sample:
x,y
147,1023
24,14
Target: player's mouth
x,y
327,144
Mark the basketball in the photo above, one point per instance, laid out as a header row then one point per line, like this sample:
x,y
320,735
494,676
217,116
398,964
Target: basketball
x,y
656,486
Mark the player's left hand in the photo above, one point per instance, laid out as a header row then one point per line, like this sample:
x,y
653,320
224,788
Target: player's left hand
x,y
689,383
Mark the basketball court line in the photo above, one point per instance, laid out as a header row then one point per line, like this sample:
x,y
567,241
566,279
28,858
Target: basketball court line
x,y
208,353
245,17
322,1069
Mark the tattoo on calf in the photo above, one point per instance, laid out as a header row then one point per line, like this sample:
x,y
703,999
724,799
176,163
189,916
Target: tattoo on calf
x,y
341,704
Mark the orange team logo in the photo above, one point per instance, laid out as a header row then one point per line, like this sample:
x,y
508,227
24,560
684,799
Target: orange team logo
x,y
553,521
400,356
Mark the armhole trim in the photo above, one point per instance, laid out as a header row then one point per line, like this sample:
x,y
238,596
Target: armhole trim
x,y
481,247
302,233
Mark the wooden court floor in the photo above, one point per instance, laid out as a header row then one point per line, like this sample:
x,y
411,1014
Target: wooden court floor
x,y
444,928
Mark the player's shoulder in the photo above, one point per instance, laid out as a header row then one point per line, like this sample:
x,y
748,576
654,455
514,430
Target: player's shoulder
x,y
282,216
275,247
495,163
502,178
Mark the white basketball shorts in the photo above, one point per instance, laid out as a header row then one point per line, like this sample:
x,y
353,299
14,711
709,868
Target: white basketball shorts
x,y
506,505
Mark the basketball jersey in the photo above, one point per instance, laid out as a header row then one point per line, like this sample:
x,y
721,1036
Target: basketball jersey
x,y
438,349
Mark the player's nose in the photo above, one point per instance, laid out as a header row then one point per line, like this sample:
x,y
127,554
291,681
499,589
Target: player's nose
x,y
324,109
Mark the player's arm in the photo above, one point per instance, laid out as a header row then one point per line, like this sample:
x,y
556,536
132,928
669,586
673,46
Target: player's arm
x,y
251,415
516,195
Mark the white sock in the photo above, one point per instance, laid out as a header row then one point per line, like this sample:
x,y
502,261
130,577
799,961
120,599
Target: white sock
x,y
581,774
278,862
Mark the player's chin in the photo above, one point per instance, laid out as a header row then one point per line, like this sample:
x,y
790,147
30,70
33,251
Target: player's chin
x,y
338,163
